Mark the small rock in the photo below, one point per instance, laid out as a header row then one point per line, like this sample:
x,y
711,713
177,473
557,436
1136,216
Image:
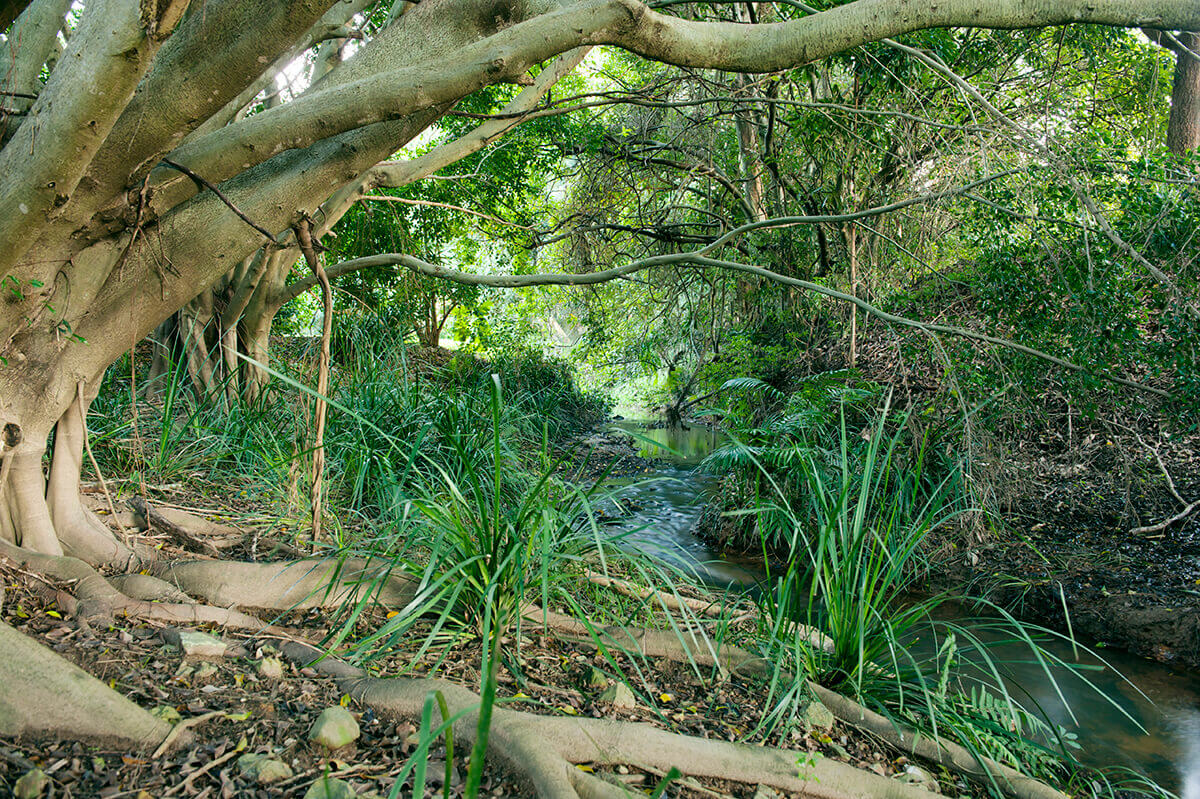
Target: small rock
x,y
271,668
763,792
919,776
329,788
264,770
619,696
817,716
167,713
206,671
31,785
196,644
334,728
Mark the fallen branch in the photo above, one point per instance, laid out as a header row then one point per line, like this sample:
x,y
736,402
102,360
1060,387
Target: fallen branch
x,y
156,519
181,728
1178,517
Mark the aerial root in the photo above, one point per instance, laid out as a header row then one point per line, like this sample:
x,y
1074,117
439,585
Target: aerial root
x,y
544,751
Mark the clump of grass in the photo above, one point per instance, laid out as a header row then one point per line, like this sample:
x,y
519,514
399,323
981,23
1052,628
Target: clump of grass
x,y
846,611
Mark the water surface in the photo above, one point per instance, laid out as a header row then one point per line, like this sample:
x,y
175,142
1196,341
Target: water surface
x,y
1156,732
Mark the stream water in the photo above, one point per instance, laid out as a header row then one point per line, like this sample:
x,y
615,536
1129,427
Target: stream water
x,y
1158,739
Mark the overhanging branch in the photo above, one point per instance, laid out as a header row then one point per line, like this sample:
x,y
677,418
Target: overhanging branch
x,y
695,259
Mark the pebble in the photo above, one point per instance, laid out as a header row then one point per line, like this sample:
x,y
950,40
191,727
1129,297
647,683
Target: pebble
x,y
196,644
264,770
330,788
334,728
817,716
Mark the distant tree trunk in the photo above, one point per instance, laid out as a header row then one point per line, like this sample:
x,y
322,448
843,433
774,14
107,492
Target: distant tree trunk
x,y
1183,127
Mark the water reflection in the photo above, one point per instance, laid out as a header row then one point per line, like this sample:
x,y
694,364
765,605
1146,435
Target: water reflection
x,y
659,513
684,445
1156,731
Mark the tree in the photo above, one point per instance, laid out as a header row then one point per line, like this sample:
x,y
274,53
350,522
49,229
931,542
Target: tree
x,y
1183,126
132,181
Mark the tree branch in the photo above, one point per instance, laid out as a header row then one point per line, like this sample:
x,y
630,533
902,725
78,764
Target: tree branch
x,y
699,259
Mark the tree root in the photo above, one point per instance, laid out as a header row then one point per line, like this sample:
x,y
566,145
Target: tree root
x,y
690,647
291,585
42,696
96,597
149,589
945,753
545,750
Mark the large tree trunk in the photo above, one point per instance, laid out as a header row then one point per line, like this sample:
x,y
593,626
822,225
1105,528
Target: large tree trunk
x,y
1183,127
45,514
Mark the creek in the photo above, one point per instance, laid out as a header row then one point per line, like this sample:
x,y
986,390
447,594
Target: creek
x,y
1157,736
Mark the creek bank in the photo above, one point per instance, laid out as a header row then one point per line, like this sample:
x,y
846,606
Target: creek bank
x,y
600,452
1065,553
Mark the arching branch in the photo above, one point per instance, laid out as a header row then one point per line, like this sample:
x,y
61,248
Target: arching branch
x,y
699,259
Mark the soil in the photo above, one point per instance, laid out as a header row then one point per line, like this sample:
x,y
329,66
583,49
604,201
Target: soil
x,y
1070,540
264,715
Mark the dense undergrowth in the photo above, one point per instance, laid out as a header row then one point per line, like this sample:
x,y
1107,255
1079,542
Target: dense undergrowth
x,y
442,468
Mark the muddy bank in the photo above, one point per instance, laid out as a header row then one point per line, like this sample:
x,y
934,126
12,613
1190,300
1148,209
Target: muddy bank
x,y
1070,547
602,451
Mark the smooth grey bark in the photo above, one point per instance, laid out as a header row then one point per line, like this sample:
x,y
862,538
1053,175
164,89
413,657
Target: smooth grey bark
x,y
30,44
99,258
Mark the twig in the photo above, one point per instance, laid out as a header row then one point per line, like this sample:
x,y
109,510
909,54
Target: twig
x,y
178,730
387,198
221,196
187,783
1163,467
1154,528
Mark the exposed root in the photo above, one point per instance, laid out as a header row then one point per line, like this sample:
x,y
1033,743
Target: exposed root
x,y
545,750
44,696
149,589
946,753
691,647
194,532
96,597
293,585
661,598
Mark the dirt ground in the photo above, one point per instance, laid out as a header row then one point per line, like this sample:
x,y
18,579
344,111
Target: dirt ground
x,y
252,711
1070,539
